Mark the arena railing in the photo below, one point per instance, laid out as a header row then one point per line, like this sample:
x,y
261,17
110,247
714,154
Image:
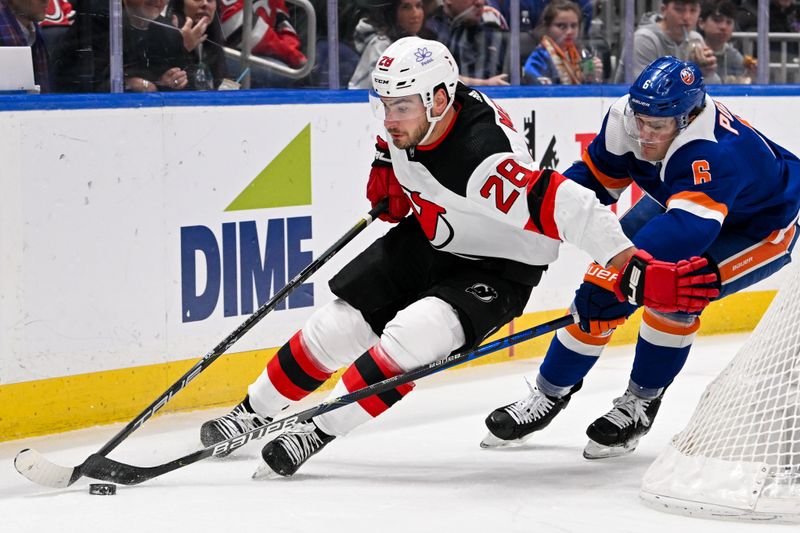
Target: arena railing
x,y
780,70
247,59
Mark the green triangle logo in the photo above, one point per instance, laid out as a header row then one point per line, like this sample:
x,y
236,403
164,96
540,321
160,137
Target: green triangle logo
x,y
285,181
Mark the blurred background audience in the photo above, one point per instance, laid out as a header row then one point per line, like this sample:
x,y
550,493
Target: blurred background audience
x,y
385,22
674,33
717,20
153,53
208,66
19,26
477,36
561,58
560,42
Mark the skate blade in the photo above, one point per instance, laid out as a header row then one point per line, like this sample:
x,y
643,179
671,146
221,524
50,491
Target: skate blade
x,y
264,472
593,450
491,441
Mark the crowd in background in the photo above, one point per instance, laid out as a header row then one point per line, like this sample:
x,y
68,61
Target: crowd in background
x,y
179,45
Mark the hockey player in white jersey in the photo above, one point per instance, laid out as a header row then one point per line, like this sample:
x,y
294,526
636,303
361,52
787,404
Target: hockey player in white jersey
x,y
715,186
485,226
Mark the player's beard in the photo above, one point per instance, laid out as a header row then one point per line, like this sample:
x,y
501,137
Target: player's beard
x,y
413,138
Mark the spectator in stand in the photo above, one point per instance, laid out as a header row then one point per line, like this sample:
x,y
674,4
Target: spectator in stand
x,y
153,53
784,17
560,58
208,66
19,26
672,35
348,15
58,17
386,21
477,36
746,15
273,35
717,19
530,15
532,11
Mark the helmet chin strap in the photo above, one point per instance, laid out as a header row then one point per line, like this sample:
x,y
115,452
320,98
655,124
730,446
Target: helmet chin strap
x,y
434,120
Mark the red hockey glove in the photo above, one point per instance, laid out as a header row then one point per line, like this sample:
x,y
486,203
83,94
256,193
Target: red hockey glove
x,y
383,184
664,286
595,302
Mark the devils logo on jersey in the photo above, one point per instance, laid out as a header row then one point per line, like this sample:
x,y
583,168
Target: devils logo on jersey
x,y
483,292
429,216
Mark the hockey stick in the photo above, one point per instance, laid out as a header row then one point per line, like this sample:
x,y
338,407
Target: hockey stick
x,y
39,469
100,467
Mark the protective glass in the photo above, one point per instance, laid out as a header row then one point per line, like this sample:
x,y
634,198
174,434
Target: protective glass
x,y
645,129
399,108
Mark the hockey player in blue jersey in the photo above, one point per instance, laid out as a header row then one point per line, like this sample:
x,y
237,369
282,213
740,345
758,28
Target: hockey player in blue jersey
x,y
715,187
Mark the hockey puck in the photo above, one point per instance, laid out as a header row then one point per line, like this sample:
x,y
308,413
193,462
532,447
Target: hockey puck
x,y
103,489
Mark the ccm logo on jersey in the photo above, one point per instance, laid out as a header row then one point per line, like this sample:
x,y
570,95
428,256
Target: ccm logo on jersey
x,y
483,292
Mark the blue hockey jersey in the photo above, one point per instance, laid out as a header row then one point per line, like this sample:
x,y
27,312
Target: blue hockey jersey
x,y
719,172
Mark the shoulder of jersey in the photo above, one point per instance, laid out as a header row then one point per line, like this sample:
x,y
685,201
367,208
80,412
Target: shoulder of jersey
x,y
479,124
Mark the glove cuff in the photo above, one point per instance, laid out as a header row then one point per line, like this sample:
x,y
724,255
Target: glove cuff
x,y
630,285
602,277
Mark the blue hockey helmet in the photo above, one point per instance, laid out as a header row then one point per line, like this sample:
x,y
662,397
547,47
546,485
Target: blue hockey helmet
x,y
668,87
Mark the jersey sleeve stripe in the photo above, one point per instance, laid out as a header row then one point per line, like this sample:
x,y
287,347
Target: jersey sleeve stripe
x,y
615,186
698,204
542,203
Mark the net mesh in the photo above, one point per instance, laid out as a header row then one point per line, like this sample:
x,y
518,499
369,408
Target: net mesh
x,y
741,448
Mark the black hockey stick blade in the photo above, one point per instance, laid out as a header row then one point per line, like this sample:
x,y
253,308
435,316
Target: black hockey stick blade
x,y
98,466
42,471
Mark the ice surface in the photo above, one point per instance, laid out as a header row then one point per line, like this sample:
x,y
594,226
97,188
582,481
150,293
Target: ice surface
x,y
417,468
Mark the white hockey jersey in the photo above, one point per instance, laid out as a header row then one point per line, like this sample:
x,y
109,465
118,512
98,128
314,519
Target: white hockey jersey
x,y
475,193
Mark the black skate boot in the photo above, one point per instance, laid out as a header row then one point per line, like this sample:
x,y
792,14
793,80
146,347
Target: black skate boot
x,y
514,423
240,420
291,449
618,431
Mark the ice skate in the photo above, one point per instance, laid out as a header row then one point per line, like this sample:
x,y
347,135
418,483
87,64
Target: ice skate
x,y
288,452
241,419
514,423
617,432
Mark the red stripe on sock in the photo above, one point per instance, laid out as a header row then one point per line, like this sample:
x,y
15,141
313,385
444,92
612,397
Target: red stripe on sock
x,y
304,358
389,368
353,381
281,381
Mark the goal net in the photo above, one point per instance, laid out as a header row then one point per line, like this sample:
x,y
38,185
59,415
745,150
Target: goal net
x,y
739,456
